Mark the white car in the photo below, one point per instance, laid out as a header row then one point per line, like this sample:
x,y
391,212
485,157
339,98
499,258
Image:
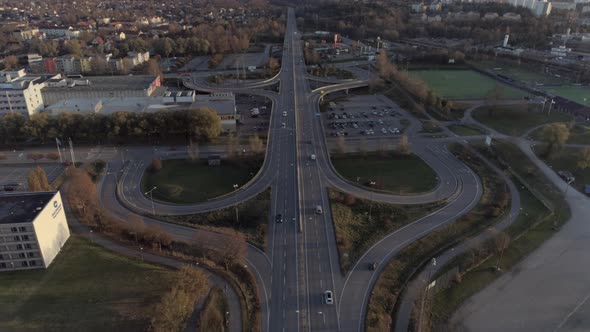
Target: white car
x,y
283,125
328,297
284,113
383,130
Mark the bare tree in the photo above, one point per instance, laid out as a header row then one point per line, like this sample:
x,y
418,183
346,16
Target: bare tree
x,y
2,156
35,156
52,156
156,165
340,145
404,145
232,146
233,250
33,182
584,161
193,150
43,183
256,144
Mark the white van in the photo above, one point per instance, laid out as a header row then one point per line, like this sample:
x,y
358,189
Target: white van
x,y
312,157
318,209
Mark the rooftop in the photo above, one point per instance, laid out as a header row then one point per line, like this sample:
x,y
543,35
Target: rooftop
x,y
22,208
134,82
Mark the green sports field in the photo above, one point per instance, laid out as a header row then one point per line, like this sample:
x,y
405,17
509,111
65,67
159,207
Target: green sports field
x,y
579,94
522,72
463,84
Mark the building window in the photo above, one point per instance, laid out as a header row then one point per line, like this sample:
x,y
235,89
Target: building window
x,y
19,247
30,254
22,229
2,265
21,255
28,246
1,256
24,263
25,237
13,229
32,263
17,238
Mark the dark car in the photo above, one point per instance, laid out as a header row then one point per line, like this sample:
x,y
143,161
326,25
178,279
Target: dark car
x,y
373,266
279,218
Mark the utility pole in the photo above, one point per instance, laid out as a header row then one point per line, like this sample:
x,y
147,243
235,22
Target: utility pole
x,y
72,152
58,149
152,199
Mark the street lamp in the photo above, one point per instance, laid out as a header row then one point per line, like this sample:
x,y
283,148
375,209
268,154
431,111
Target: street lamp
x,y
237,216
152,199
567,186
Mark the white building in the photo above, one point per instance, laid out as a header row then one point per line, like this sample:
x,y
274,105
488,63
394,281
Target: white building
x,y
136,58
180,97
21,93
33,229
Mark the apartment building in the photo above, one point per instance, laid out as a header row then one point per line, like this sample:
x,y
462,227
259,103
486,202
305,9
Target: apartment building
x,y
33,229
21,93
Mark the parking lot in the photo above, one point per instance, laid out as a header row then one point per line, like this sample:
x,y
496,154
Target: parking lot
x,y
363,116
18,173
251,123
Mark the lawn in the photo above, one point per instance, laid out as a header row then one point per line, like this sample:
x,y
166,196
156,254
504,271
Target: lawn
x,y
466,130
394,173
185,181
567,159
86,288
523,72
515,120
463,84
579,94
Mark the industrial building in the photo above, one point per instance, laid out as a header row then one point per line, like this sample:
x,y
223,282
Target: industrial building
x,y
224,105
21,93
33,229
98,87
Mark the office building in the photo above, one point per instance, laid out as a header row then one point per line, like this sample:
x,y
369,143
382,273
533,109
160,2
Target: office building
x,y
21,93
33,229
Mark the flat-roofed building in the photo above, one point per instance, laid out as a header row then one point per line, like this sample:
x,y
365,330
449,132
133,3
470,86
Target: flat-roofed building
x,y
102,87
224,105
33,229
21,93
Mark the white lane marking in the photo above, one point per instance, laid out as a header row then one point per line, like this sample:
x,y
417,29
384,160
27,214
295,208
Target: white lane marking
x,y
567,317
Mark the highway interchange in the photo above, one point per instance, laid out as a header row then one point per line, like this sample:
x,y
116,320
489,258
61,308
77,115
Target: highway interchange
x,y
301,260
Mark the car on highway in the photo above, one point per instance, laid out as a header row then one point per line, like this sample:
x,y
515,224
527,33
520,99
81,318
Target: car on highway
x,y
284,113
312,157
328,297
283,125
279,218
373,266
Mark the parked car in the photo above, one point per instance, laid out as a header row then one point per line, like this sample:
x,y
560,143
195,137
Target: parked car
x,y
328,297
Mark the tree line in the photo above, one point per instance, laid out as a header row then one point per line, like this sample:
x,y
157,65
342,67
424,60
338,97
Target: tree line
x,y
201,124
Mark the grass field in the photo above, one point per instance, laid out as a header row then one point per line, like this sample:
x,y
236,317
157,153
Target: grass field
x,y
393,173
186,181
522,72
463,84
515,120
579,94
465,130
567,159
85,289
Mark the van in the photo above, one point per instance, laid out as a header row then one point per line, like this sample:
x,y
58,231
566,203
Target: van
x,y
312,157
318,209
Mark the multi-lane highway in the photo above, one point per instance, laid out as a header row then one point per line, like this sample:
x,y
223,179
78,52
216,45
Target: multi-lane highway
x,y
301,261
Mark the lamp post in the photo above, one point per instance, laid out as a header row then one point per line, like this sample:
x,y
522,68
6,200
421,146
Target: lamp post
x,y
432,265
237,216
372,183
152,199
567,186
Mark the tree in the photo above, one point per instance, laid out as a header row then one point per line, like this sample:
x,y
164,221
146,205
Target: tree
x,y
376,83
73,47
584,161
52,156
43,183
10,62
33,182
232,145
156,165
340,145
204,123
256,144
193,150
2,156
135,227
82,191
152,67
233,249
404,145
35,156
555,135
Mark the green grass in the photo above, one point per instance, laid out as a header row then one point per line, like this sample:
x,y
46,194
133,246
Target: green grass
x,y
359,223
85,289
466,130
463,84
515,120
579,94
523,72
567,159
392,172
186,181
